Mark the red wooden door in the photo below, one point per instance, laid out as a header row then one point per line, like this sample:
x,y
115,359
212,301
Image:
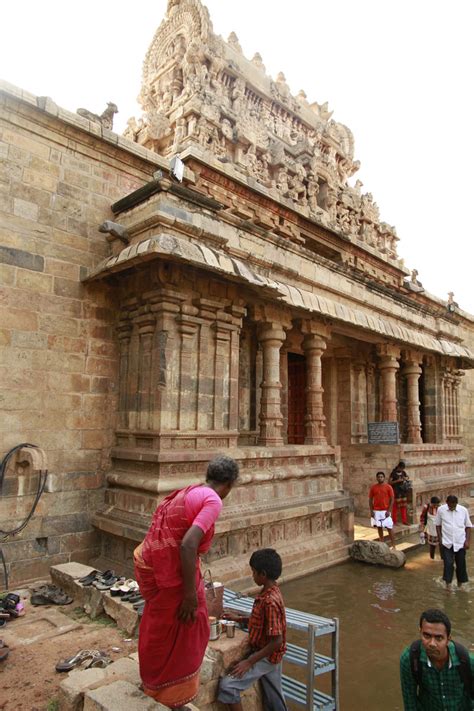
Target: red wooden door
x,y
296,398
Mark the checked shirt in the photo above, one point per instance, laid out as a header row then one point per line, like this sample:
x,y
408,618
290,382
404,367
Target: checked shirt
x,y
267,620
439,690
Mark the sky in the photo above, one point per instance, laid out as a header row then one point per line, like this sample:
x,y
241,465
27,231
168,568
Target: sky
x,y
398,73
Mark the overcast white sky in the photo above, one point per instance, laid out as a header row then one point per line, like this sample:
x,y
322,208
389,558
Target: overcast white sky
x,y
398,73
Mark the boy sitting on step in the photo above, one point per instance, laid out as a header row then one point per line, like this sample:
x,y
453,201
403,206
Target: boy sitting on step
x,y
267,638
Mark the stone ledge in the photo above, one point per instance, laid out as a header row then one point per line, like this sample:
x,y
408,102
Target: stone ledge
x,y
95,602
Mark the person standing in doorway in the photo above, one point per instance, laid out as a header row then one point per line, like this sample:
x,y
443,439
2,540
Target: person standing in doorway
x,y
381,498
398,481
453,526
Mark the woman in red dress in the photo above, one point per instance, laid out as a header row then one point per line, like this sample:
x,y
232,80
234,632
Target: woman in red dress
x,y
174,629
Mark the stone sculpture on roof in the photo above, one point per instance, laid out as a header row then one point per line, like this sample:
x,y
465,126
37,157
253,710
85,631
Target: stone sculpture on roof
x,y
200,91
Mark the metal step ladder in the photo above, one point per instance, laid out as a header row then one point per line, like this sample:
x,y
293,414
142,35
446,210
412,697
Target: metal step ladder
x,y
305,695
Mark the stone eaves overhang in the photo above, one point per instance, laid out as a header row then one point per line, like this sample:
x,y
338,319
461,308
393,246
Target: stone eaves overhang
x,y
173,248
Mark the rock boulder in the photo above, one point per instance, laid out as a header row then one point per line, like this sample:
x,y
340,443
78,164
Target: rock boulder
x,y
377,554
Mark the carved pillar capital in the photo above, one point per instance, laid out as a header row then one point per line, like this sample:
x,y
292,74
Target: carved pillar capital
x,y
388,352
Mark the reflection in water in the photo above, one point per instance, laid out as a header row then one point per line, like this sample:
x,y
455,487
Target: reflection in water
x,y
379,610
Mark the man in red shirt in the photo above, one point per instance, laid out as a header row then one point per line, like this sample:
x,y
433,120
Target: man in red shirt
x,y
381,499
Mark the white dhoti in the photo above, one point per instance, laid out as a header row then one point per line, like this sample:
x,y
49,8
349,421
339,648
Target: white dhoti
x,y
381,520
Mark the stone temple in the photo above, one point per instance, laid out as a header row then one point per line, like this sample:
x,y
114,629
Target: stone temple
x,y
257,307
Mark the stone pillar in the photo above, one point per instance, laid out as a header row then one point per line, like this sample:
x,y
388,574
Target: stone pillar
x,y
165,304
412,372
189,368
456,381
146,328
314,345
238,312
359,404
371,401
388,366
124,332
271,337
447,404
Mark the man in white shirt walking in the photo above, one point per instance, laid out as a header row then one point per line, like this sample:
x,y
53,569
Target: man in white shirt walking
x,y
454,534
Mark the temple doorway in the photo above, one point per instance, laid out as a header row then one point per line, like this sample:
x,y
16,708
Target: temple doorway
x,y
296,398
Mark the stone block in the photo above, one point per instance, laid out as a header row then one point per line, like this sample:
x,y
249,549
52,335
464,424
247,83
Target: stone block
x,y
377,554
123,614
71,690
20,258
119,696
66,576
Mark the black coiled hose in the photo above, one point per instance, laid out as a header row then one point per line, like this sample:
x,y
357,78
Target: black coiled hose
x,y
43,475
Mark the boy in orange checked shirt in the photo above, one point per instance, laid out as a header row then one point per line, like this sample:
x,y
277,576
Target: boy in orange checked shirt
x,y
267,637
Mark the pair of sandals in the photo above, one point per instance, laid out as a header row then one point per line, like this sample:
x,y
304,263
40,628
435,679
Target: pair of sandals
x,y
124,588
86,658
101,581
49,595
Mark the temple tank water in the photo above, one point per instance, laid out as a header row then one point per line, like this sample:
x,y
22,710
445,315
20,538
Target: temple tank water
x,y
379,610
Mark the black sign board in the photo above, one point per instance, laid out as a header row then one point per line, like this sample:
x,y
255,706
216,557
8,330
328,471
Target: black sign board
x,y
383,433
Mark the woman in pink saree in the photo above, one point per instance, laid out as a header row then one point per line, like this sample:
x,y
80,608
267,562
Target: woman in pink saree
x,y
174,630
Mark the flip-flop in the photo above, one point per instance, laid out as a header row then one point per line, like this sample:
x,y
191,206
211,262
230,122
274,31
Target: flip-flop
x,y
75,661
99,660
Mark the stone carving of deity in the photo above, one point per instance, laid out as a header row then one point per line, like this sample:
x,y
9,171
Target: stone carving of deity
x,y
251,161
312,192
238,94
282,182
297,185
180,132
227,130
204,132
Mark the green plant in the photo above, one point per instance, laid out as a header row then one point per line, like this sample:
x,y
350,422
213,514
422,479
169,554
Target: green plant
x,y
53,705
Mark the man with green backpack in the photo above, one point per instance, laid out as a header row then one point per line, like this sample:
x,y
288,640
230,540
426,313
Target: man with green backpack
x,y
436,673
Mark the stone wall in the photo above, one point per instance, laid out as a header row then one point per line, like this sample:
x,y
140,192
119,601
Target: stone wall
x,y
467,406
434,470
58,358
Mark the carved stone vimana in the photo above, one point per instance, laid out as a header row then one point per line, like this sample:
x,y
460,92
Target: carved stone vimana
x,y
199,90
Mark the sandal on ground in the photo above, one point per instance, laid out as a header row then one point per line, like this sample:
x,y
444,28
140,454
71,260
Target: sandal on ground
x,y
50,597
99,660
76,660
9,601
4,650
